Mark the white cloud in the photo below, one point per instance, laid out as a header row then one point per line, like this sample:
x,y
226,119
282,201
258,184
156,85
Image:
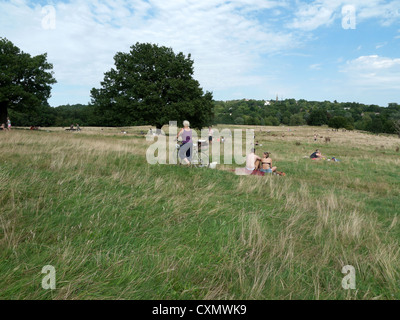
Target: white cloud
x,y
310,16
388,12
316,66
373,72
225,40
230,41
381,45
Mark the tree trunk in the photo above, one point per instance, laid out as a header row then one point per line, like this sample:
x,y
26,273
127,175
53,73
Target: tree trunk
x,y
3,113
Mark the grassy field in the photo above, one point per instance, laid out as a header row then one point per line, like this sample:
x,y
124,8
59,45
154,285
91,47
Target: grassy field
x,y
115,227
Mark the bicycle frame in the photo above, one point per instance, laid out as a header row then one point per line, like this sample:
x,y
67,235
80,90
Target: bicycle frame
x,y
199,159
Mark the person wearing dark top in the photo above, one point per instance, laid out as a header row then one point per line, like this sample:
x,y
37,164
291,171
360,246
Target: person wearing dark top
x,y
316,155
266,164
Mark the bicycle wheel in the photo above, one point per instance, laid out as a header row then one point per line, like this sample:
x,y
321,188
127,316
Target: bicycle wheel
x,y
195,158
204,160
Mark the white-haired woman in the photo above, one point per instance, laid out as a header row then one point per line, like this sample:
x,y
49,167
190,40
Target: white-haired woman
x,y
185,152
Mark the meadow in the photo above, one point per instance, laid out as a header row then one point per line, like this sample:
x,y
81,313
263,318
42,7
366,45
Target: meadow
x,y
115,227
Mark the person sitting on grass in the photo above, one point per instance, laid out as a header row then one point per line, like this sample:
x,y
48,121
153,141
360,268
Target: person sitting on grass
x,y
266,164
316,155
252,161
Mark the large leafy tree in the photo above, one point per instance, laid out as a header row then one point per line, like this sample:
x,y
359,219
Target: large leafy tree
x,y
338,122
152,85
318,117
25,81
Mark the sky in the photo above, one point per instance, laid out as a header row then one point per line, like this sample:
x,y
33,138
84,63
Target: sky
x,y
320,50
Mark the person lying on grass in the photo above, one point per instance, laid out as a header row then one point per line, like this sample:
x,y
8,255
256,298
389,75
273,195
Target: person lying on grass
x,y
266,164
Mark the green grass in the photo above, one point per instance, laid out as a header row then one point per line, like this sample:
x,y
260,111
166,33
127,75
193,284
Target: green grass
x,y
115,227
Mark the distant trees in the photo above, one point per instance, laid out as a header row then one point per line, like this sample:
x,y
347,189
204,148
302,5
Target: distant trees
x,y
383,122
396,126
387,120
152,85
318,117
347,115
25,81
239,121
43,116
297,120
395,120
286,117
272,121
376,125
75,114
341,122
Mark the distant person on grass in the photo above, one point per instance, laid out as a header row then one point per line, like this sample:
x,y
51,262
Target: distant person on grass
x,y
316,155
252,161
3,127
210,135
9,124
185,152
266,164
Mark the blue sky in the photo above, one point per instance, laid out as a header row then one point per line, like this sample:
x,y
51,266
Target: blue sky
x,y
250,49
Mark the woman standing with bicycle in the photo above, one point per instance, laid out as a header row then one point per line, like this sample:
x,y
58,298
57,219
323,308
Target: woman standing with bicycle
x,y
185,152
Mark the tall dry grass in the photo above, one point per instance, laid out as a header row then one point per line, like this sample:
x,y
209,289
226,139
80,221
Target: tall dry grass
x,y
117,228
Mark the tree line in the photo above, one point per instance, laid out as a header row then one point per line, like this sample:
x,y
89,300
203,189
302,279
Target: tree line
x,y
152,85
291,112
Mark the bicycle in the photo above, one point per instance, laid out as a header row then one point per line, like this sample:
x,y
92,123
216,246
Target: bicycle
x,y
200,159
